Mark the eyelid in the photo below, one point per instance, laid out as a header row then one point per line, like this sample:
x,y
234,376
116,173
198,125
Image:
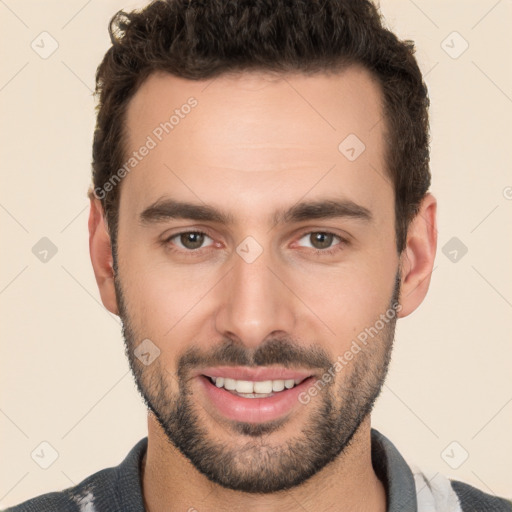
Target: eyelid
x,y
202,231
339,237
343,240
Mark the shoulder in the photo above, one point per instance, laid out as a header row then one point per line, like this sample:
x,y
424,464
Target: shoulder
x,y
474,500
110,489
73,499
434,488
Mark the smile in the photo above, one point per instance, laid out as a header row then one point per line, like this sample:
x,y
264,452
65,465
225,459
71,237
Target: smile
x,y
254,389
252,395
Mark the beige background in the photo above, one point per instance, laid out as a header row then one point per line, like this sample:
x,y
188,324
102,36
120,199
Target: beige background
x,y
64,377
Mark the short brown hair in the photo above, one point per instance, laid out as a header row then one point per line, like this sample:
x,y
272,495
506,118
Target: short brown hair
x,y
201,39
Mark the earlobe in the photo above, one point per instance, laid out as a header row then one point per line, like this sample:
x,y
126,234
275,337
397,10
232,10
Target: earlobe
x,y
100,250
417,260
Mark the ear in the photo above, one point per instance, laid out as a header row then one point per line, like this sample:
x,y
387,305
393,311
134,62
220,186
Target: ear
x,y
417,259
100,250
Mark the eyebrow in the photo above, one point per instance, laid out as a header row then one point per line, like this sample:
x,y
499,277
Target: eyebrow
x,y
166,209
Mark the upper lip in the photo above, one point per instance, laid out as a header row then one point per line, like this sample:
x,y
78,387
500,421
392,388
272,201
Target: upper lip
x,y
254,374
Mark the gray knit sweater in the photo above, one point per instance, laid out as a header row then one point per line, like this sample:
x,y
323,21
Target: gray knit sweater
x,y
118,489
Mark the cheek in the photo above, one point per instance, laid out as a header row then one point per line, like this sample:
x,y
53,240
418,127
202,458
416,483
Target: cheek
x,y
164,299
350,303
348,299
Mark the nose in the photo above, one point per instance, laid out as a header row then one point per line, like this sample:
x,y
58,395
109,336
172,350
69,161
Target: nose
x,y
256,301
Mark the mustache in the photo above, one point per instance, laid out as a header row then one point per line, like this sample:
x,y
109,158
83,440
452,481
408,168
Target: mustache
x,y
285,353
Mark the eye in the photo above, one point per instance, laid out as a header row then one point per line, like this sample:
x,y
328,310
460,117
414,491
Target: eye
x,y
192,241
322,241
189,240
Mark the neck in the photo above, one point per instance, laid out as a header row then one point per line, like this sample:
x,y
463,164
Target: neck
x,y
171,483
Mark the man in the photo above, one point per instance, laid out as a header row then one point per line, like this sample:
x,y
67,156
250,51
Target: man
x,y
260,218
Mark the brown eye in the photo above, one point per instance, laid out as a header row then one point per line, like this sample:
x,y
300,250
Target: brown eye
x,y
190,240
320,240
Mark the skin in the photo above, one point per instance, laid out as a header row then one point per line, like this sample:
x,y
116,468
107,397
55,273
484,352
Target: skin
x,y
256,143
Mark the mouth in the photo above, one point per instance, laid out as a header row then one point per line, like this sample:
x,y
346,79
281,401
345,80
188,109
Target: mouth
x,y
252,395
254,389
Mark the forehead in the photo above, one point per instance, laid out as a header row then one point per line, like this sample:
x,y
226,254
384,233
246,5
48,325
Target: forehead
x,y
252,138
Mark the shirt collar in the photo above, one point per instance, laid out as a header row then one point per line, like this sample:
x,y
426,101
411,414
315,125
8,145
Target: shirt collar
x,y
389,466
392,470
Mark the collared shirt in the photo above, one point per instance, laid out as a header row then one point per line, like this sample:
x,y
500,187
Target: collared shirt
x,y
119,488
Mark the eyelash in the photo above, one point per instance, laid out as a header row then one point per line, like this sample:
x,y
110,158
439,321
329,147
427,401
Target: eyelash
x,y
197,252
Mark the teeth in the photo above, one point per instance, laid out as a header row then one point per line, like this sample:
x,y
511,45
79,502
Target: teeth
x,y
244,386
254,395
277,385
264,386
249,387
230,384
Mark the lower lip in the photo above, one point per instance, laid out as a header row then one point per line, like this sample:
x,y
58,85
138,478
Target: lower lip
x,y
253,410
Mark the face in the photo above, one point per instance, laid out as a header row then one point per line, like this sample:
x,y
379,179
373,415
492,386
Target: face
x,y
254,254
